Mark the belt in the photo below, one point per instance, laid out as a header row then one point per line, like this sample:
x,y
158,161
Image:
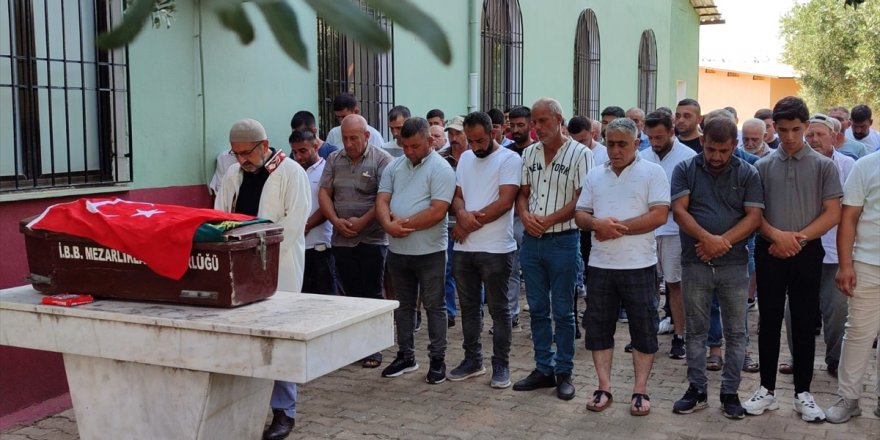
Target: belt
x,y
558,234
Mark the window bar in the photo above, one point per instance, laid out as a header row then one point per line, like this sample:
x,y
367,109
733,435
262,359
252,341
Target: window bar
x,y
82,70
66,92
13,61
31,103
49,96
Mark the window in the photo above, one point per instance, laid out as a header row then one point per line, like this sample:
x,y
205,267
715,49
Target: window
x,y
64,107
586,66
648,72
344,66
502,59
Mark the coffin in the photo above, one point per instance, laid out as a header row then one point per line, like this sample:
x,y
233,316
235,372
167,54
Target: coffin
x,y
240,269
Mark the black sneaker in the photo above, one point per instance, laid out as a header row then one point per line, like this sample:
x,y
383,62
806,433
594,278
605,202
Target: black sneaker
x,y
693,400
418,325
628,348
437,371
399,366
535,380
450,321
731,408
677,351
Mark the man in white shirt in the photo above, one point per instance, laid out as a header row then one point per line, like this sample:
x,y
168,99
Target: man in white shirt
x,y
860,129
667,152
318,273
344,105
396,116
622,202
487,181
580,129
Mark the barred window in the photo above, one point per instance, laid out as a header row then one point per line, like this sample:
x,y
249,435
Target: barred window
x,y
64,105
586,66
344,66
648,72
502,57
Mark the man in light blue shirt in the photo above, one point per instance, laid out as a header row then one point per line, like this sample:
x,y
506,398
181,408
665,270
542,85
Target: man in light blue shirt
x,y
414,196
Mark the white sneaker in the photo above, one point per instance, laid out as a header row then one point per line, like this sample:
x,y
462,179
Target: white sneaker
x,y
665,326
761,401
807,408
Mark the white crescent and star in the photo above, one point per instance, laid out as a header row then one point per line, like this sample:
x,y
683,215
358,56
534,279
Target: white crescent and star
x,y
147,214
94,207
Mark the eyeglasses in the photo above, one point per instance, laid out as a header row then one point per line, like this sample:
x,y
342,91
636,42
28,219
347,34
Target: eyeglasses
x,y
245,153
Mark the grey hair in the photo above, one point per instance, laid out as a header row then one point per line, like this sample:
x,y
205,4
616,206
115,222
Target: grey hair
x,y
757,123
837,125
623,125
637,111
554,105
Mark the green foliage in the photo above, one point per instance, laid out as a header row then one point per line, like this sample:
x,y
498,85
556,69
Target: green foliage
x,y
347,16
836,50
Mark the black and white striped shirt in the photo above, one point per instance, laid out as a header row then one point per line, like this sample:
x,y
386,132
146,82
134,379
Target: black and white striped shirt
x,y
554,185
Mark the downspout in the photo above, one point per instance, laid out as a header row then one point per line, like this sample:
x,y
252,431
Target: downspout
x,y
474,10
201,95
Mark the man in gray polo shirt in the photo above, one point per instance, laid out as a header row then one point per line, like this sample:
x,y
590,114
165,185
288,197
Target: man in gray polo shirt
x,y
347,198
802,198
414,196
717,201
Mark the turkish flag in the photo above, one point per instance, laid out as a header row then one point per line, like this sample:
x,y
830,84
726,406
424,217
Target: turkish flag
x,y
159,235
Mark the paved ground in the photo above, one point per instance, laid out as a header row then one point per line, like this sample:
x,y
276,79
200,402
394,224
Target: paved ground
x,y
358,403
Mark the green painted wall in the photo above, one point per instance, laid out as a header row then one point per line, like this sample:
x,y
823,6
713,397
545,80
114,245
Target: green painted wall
x,y
189,83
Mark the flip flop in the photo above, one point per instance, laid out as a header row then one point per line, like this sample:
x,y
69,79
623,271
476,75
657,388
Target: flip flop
x,y
636,408
714,362
785,368
372,361
597,398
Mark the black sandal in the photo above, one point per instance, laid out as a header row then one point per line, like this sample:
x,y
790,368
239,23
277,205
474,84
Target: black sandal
x,y
597,398
639,397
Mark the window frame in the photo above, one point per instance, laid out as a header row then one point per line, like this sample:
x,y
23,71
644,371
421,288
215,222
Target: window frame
x,y
647,71
501,43
587,64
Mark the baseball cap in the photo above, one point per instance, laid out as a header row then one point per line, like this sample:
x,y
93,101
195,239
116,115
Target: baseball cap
x,y
820,118
457,123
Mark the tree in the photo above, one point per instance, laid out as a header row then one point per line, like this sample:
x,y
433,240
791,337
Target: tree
x,y
345,15
836,51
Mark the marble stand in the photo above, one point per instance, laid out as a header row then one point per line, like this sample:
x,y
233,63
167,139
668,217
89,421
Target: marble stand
x,y
162,371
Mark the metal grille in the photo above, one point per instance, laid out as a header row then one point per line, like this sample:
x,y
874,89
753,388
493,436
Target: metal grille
x,y
648,72
64,107
586,66
345,66
502,54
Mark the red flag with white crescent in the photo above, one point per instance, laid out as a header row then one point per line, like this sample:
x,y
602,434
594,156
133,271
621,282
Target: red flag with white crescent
x,y
159,235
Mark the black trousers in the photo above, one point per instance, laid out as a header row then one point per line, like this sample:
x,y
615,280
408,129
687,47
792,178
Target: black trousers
x,y
796,278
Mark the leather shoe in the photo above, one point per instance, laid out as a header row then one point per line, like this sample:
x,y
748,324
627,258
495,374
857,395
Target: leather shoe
x,y
280,427
535,380
564,388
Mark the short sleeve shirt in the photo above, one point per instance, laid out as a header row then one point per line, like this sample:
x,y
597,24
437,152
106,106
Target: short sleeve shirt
x,y
480,180
320,234
554,185
354,188
716,203
640,186
678,153
795,186
862,188
412,189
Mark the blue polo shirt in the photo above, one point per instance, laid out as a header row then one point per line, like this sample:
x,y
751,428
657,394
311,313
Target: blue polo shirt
x,y
412,188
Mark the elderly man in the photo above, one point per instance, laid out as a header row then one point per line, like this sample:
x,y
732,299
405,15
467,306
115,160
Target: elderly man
x,y
266,183
753,132
552,174
858,277
414,196
845,145
638,116
438,137
347,198
344,105
802,202
770,136
715,226
622,202
667,152
487,180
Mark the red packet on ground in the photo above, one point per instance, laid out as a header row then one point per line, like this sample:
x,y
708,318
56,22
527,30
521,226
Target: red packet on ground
x,y
67,299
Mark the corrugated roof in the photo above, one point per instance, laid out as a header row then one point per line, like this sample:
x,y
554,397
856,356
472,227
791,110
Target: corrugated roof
x,y
708,12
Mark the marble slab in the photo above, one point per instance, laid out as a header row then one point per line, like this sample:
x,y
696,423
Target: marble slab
x,y
290,336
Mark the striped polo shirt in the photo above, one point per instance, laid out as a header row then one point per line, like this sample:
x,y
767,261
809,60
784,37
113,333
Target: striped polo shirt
x,y
554,185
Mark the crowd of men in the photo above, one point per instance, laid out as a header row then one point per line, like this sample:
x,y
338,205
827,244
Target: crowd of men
x,y
614,211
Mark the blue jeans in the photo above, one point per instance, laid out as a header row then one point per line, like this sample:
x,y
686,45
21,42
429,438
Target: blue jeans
x,y
284,397
716,334
473,270
730,285
450,278
549,264
412,275
513,283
